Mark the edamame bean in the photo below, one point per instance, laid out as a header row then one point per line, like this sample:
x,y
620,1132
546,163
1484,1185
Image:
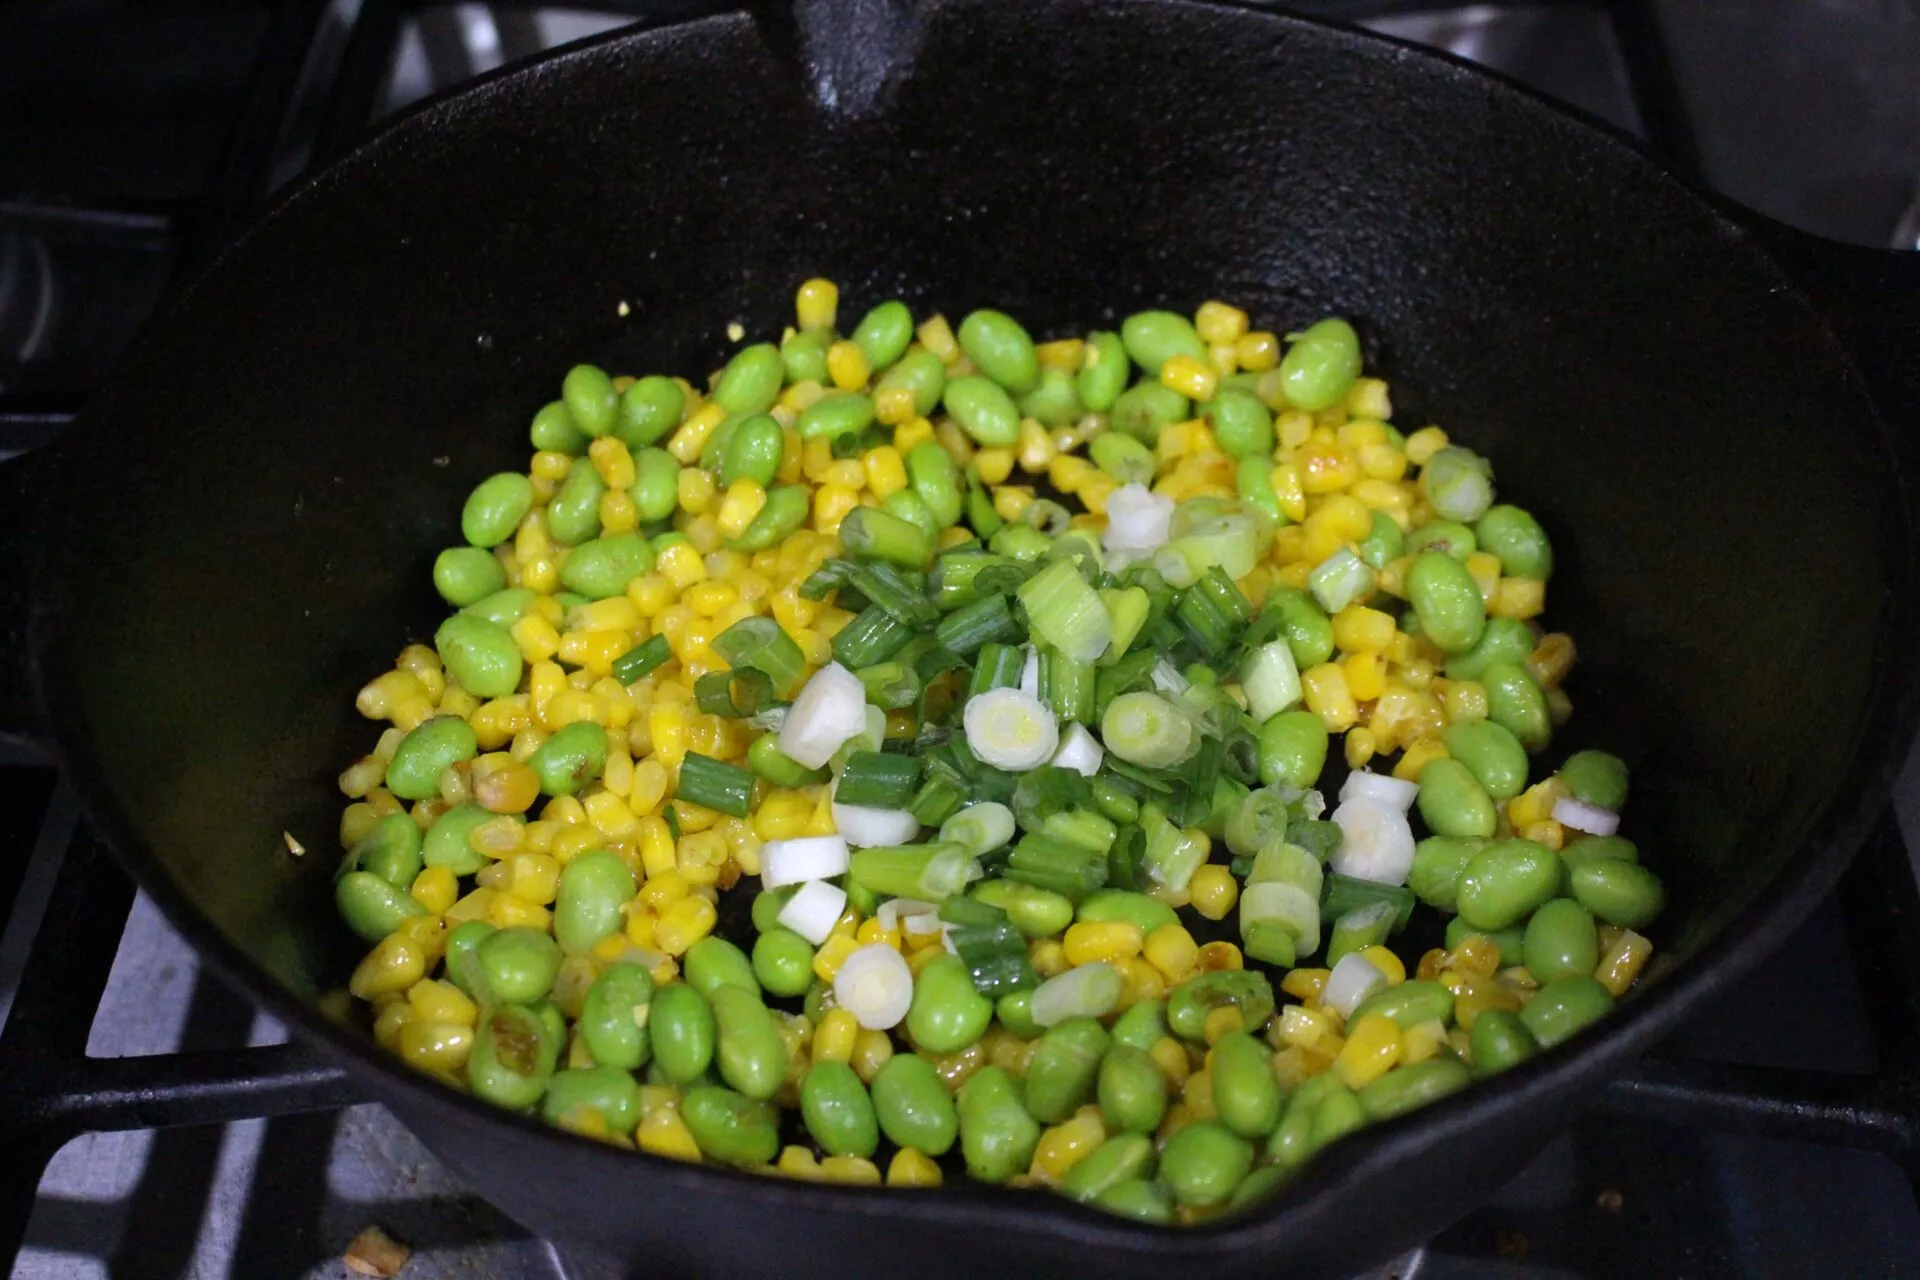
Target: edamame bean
x,y
804,354
594,887
1459,484
1000,348
1438,862
1103,371
1338,1115
1595,848
906,505
1291,1145
1384,541
429,749
467,575
1258,1185
1500,1040
613,1014
751,381
935,481
1015,1011
683,1031
1619,892
578,1094
648,410
947,1013
1035,912
837,1111
834,415
1246,1094
519,964
1320,366
502,608
1242,424
495,508
730,1128
601,568
920,373
1491,754
1064,1068
1121,1158
1154,337
1448,536
714,962
1413,1002
1447,601
754,452
1194,999
463,960
1502,640
479,654
1132,1090
983,410
1140,909
1253,477
913,1106
391,850
571,758
514,1051
448,841
372,907
1305,627
1138,1199
1452,802
786,507
884,332
767,905
1517,538
1509,942
751,1055
1562,1007
573,516
1560,941
555,431
997,1136
1596,777
656,485
1204,1162
1505,881
1516,703
1142,1025
783,962
590,398
1054,400
1413,1086
1293,749
1145,409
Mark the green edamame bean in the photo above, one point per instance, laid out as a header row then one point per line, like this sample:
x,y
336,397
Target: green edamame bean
x,y
1516,703
519,965
783,962
571,758
1035,912
1502,640
1291,1145
1491,754
1204,1162
1142,910
1015,1011
751,381
1437,864
573,516
1242,424
1064,1068
1054,400
612,1015
754,452
834,415
1145,409
767,905
1258,1185
1304,625
997,1136
1596,777
481,655
714,962
947,1013
1517,538
1447,601
922,374
1132,1090
601,567
502,608
1447,536
648,410
1413,1002
1194,999
1320,366
906,505
1509,942
884,333
1452,802
1596,848
1121,1158
1138,1199
1000,348
983,409
554,430
578,1093
1246,1094
786,507
1144,1023
1293,749
1562,1007
372,907
656,485
1104,370
1384,541
391,850
590,398
1506,881
593,889
467,575
804,355
514,1051
1619,892
1458,483
1560,941
1413,1086
1500,1040
495,508
463,961
913,1106
1338,1115
751,1055
683,1031
1154,337
428,750
730,1128
837,1111
1253,477
448,840
935,481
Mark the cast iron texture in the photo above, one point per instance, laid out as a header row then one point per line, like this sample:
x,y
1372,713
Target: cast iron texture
x,y
249,512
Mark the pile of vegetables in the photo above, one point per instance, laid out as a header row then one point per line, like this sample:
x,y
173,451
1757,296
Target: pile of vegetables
x,y
1010,671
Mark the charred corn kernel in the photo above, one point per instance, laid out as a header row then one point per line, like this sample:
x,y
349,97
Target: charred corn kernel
x,y
831,504
1424,443
1010,502
1358,629
1383,959
1213,891
1358,747
816,303
1219,322
1110,940
1222,1021
742,503
1366,677
1218,956
1418,757
1548,833
395,963
1047,957
1622,961
1551,659
684,923
1189,377
847,366
663,1133
612,460
1172,950
1432,961
1066,1144
1535,804
832,954
436,889
994,464
506,788
1373,1048
1327,696
911,1168
834,1038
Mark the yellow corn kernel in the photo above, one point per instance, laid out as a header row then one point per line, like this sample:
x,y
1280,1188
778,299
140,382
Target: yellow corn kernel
x,y
686,443
1219,322
1068,472
1066,1144
911,433
1197,1092
696,489
610,814
1217,956
847,366
799,1163
1048,957
612,460
1110,940
434,1046
911,1168
854,1170
1172,950
832,954
871,1050
569,842
834,1038
1189,377
1551,659
892,405
1535,804
1383,959
1141,982
1214,891
1473,996
1424,443
1476,956
1464,700
1327,696
471,907
1171,1057
1418,757
742,503
439,1001
936,335
1035,448
684,923
436,889
1225,1020
1373,1048
884,471
1358,629
1010,502
655,842
1623,961
1325,468
846,472
380,695
1289,488
663,1133
1358,747
1366,677
1521,598
1301,1027
504,911
1064,354
816,303
1257,351
994,464
395,963
505,787
831,504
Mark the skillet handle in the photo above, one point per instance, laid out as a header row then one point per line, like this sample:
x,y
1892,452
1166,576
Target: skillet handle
x,y
20,716
849,53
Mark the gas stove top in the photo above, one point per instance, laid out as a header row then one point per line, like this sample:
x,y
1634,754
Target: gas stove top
x,y
155,1124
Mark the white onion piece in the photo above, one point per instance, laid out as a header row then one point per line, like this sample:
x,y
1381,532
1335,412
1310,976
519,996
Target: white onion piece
x,y
1376,842
897,911
1383,787
814,910
1353,979
875,985
1011,730
1088,990
830,709
1138,519
922,923
863,826
1080,751
1581,816
1030,673
785,862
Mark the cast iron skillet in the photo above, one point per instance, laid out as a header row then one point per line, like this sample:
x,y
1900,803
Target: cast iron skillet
x,y
1703,408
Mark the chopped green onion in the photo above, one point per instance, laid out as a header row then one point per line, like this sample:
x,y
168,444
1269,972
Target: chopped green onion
x,y
636,662
951,584
1172,854
1358,929
1145,729
1345,894
1224,594
1158,781
1045,791
1204,535
1283,906
1271,680
1340,580
981,827
1082,827
1317,837
1048,516
997,666
987,619
1126,859
1067,613
1116,797
1269,942
878,780
994,951
1260,820
714,784
890,587
1203,623
1085,991
1128,607
940,796
873,636
1066,869
761,644
734,694
891,686
767,760
1067,684
929,872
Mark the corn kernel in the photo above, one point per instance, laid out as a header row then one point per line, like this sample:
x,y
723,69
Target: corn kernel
x,y
871,1050
1110,940
1422,1040
504,911
1197,1095
1373,1048
1358,629
911,1168
994,464
1383,959
1418,757
1048,957
1184,374
684,923
1218,956
1424,443
831,505
1066,1144
1225,1020
832,954
1520,598
1622,962
1172,950
911,433
1214,891
686,443
834,1038
816,304
1328,696
394,964
847,366
1535,804
1219,322
1010,502
1366,677
663,1133
936,335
